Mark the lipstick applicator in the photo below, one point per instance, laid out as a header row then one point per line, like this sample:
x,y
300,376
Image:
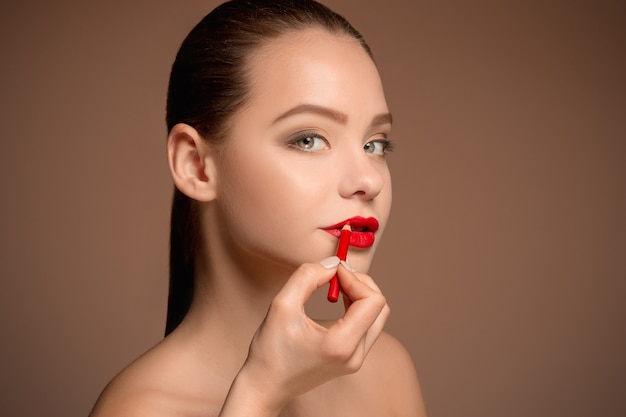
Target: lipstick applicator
x,y
342,252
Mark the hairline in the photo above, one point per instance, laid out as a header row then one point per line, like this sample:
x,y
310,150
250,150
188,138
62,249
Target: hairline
x,y
256,52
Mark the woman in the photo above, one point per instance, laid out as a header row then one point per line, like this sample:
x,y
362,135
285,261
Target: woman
x,y
278,133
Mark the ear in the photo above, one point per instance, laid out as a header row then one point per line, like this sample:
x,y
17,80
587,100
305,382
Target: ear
x,y
192,163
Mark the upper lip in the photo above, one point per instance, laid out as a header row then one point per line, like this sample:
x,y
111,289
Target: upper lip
x,y
358,224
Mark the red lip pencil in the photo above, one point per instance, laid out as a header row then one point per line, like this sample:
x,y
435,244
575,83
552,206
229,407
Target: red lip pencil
x,y
342,252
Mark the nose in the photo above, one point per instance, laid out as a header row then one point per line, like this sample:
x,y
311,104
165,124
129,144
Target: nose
x,y
361,176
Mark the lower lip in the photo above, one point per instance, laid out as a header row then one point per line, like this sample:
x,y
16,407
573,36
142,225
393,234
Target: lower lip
x,y
357,239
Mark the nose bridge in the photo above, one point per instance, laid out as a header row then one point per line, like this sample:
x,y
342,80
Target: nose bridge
x,y
360,175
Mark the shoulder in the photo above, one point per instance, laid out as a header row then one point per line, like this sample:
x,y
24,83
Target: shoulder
x,y
126,396
156,384
122,400
393,370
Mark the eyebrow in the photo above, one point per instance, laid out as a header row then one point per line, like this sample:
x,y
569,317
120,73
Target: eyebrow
x,y
382,119
335,115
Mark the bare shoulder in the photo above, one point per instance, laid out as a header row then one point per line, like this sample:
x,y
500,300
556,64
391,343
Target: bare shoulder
x,y
132,392
156,384
122,399
391,368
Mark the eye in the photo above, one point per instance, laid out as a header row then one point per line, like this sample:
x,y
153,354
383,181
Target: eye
x,y
378,147
309,142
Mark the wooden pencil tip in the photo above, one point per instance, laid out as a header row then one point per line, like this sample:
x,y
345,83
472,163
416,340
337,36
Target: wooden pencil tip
x,y
347,227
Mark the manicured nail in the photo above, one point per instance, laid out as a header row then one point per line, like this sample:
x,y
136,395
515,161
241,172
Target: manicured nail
x,y
347,265
330,263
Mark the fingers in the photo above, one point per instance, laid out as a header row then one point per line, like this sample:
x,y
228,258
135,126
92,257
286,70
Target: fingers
x,y
366,307
306,280
381,320
367,310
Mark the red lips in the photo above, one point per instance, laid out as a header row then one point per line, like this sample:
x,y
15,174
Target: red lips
x,y
362,231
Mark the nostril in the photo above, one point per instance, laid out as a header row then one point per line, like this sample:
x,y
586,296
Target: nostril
x,y
361,177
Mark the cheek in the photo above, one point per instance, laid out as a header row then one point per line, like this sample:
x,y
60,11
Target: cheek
x,y
266,199
264,187
386,196
246,191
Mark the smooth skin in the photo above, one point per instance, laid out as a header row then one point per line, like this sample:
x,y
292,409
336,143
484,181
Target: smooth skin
x,y
306,152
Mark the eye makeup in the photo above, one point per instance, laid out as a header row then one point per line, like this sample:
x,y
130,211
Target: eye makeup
x,y
308,142
379,147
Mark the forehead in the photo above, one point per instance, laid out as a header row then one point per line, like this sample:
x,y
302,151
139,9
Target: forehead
x,y
316,66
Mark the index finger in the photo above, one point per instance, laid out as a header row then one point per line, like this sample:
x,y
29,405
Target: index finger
x,y
306,280
366,306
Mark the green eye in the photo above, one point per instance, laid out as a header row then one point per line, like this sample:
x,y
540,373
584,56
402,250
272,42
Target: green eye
x,y
378,147
309,143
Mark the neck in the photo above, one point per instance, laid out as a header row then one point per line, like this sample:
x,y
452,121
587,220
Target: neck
x,y
232,293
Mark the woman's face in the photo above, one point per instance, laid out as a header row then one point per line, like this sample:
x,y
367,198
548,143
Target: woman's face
x,y
306,154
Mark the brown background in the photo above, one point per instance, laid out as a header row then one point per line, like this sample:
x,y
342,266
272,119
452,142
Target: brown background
x,y
504,261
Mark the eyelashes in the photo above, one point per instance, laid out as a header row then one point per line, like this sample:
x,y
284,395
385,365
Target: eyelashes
x,y
314,142
379,147
390,145
309,142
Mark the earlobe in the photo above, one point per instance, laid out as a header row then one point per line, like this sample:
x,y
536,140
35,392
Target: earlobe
x,y
192,163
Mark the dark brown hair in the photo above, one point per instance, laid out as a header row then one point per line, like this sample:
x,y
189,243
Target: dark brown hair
x,y
208,84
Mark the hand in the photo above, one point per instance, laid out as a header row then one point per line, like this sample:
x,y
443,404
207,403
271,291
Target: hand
x,y
290,353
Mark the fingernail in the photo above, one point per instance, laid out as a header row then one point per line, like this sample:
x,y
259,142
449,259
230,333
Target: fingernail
x,y
347,265
330,263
